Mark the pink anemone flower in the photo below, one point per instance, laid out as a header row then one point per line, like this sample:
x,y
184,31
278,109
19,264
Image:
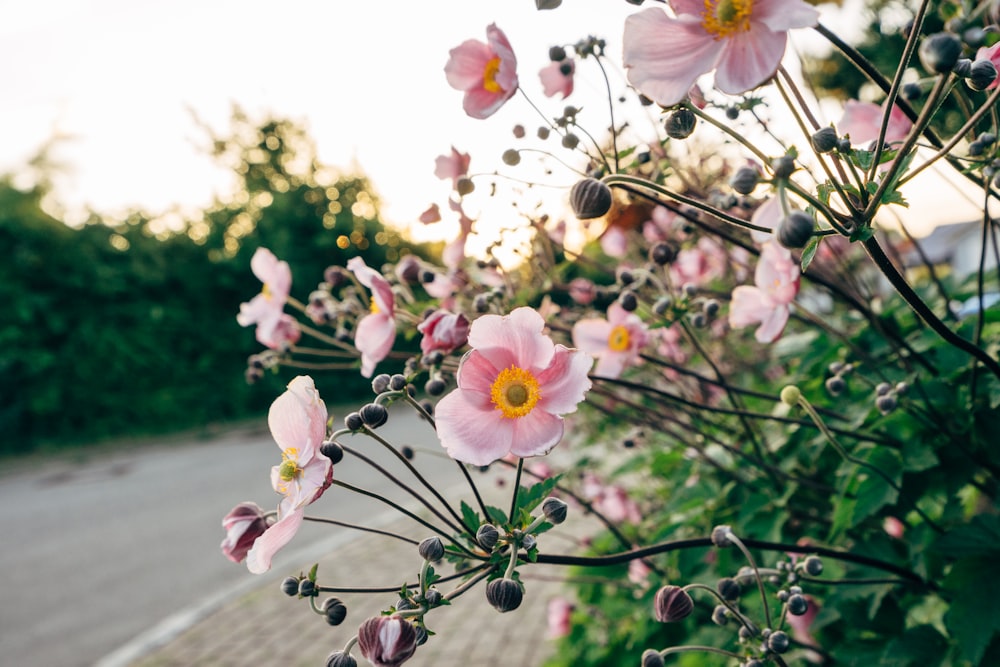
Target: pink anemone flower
x,y
557,78
863,120
742,40
376,331
243,525
297,420
486,73
558,617
776,282
615,341
444,331
266,309
453,166
513,386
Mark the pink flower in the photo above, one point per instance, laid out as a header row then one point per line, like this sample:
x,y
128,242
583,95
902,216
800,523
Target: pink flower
x,y
638,572
443,331
613,502
776,284
431,215
387,641
863,120
801,628
991,53
454,252
582,291
243,525
768,215
699,264
559,610
286,333
893,527
487,73
659,226
615,342
614,242
376,331
557,77
454,166
742,40
297,420
265,309
512,388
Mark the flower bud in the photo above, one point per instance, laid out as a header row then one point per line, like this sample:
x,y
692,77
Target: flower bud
x,y
651,658
465,186
433,597
528,542
628,301
824,139
962,68
307,588
387,641
744,180
912,91
518,131
290,586
882,388
435,386
557,54
335,610
380,383
778,642
431,549
783,166
547,4
662,305
662,254
835,385
373,415
504,594
680,124
332,451
554,510
981,74
243,525
720,615
790,396
570,141
341,659
353,421
720,534
939,53
729,589
797,604
543,133
590,198
487,536
813,566
711,307
671,604
885,404
511,157
795,230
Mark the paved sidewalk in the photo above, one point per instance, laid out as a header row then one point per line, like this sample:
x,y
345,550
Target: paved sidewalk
x,y
267,628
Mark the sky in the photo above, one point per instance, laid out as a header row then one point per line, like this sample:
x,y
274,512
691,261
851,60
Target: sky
x,y
121,82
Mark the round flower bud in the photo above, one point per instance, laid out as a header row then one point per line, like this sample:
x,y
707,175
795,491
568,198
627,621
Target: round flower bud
x,y
720,534
487,536
795,230
783,166
307,588
720,615
332,451
885,404
797,605
981,74
373,415
939,53
744,180
421,635
662,305
557,54
912,91
882,388
628,301
380,383
427,407
902,387
732,112
813,566
481,303
651,658
590,198
835,385
962,68
976,148
465,186
844,145
529,542
662,254
387,640
407,452
699,321
729,589
570,141
543,133
290,586
435,386
353,421
397,382
778,642
987,138
431,549
680,124
671,604
511,157
554,510
974,37
711,307
790,396
335,611
341,659
504,594
824,139
518,131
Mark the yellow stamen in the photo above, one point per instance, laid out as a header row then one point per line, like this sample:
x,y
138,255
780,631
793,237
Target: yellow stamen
x,y
373,307
490,76
724,17
618,339
266,291
515,392
289,468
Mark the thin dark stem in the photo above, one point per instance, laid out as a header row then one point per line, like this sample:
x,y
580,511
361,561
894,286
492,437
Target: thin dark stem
x,y
517,487
397,587
354,526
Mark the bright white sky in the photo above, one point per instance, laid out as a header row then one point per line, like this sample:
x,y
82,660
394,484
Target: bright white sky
x,y
119,78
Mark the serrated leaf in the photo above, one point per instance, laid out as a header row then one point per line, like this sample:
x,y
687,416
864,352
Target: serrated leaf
x,y
470,517
528,498
809,252
497,515
974,616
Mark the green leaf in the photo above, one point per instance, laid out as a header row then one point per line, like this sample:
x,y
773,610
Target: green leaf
x,y
810,252
974,617
312,572
979,537
528,498
497,515
921,645
470,517
874,492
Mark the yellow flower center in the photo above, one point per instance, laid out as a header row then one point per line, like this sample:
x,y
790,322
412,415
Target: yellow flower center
x,y
373,307
289,468
724,17
515,392
266,291
490,76
618,339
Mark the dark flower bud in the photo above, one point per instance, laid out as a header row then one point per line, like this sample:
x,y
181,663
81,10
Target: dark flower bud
x,y
671,604
729,589
711,307
720,615
835,385
433,597
680,124
504,594
662,254
529,542
720,536
421,635
547,4
307,588
487,536
902,387
557,54
974,37
782,594
882,388
335,611
981,74
353,421
290,586
783,166
590,198
628,301
753,662
570,141
332,451
797,605
511,157
624,276
987,138
387,641
435,386
373,415
431,549
795,230
481,303
690,290
912,91
732,113
778,642
976,148
465,186
662,305
795,590
407,452
824,139
651,658
939,53
380,383
813,566
699,321
885,404
341,659
554,510
744,180
543,133
744,633
397,382
963,68
518,131
844,145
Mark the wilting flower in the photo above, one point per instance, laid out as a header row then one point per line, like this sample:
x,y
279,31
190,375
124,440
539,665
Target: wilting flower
x,y
742,40
615,341
453,166
863,120
487,73
559,610
387,641
557,77
512,388
297,420
444,331
766,302
243,525
266,309
376,331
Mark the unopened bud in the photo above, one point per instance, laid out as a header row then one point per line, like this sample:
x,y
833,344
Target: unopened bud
x,y
435,386
981,74
912,91
557,54
824,139
813,566
939,53
465,186
962,68
790,396
720,534
353,421
290,586
487,536
651,658
431,549
628,301
671,604
835,385
720,615
783,166
590,198
744,180
373,415
504,594
332,451
885,404
662,254
778,642
555,510
511,157
680,124
795,229
570,141
380,383
797,604
341,659
729,589
662,305
307,588
335,611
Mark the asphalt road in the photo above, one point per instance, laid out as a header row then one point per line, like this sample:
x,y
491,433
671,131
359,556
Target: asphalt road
x,y
100,548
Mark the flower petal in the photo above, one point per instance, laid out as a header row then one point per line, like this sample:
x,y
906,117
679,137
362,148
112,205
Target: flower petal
x,y
297,418
564,383
591,335
515,339
536,433
749,58
748,306
274,538
374,337
466,64
782,15
772,325
469,433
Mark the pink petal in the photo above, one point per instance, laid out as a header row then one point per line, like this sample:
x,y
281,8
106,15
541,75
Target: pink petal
x,y
564,383
748,306
273,539
664,56
373,338
506,77
772,325
536,433
861,121
768,215
477,373
591,336
297,418
272,272
693,7
749,58
469,433
515,339
611,364
466,64
554,82
480,103
782,15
